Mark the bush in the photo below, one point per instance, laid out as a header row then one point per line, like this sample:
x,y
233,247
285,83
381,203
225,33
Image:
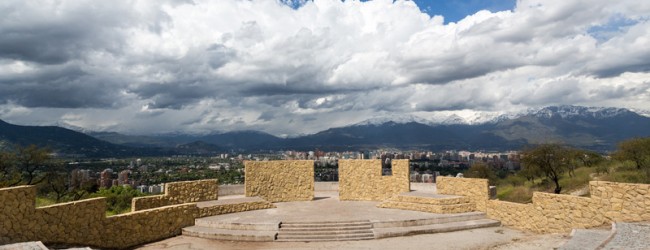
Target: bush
x,y
519,194
118,198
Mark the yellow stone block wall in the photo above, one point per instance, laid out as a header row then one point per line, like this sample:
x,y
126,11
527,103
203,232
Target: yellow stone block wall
x,y
622,201
517,215
279,181
179,193
16,209
234,208
557,213
477,190
362,180
84,223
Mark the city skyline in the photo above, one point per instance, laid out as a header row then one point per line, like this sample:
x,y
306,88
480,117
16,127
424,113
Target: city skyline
x,y
297,67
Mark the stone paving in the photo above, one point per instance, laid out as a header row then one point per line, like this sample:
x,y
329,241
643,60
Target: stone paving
x,y
631,236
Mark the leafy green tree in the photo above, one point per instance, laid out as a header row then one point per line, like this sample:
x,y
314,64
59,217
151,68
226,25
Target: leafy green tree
x,y
551,160
24,166
118,198
32,162
635,150
481,170
580,157
9,176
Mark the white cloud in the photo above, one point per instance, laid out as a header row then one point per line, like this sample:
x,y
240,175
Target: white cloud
x,y
200,66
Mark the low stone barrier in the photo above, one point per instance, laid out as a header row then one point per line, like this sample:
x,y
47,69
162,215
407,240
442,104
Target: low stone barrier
x,y
232,189
179,193
84,223
557,213
477,190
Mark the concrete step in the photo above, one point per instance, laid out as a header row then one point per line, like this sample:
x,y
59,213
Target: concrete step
x,y
336,224
434,228
227,234
429,198
428,221
586,239
326,236
326,228
324,232
332,239
429,208
208,222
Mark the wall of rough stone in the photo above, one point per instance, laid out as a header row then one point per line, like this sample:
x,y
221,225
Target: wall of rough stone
x,y
84,222
362,180
279,181
621,201
477,190
231,189
179,193
557,213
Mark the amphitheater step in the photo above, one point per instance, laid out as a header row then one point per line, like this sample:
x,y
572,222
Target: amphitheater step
x,y
586,239
228,234
447,218
429,202
435,228
325,231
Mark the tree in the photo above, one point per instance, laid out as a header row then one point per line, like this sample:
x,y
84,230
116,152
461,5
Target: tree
x,y
118,198
636,150
585,158
9,176
551,160
481,170
32,162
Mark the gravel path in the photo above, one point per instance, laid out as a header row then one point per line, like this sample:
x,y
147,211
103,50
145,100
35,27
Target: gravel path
x,y
630,236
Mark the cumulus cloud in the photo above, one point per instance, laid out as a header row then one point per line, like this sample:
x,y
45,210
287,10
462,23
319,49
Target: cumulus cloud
x,y
200,66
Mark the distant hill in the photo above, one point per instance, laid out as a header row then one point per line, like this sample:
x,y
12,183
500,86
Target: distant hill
x,y
592,128
60,140
198,148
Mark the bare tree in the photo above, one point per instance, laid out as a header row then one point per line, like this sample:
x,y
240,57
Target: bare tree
x,y
551,160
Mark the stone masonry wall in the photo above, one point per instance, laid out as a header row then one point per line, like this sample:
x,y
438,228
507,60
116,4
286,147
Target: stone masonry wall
x,y
84,222
477,190
553,213
362,180
179,193
621,201
279,181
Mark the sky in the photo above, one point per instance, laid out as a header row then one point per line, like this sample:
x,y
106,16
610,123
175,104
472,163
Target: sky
x,y
290,67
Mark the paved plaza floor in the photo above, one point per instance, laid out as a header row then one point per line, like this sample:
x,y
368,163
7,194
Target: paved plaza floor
x,y
327,207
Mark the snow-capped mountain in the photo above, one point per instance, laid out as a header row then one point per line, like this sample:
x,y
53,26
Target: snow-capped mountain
x,y
568,111
466,117
398,119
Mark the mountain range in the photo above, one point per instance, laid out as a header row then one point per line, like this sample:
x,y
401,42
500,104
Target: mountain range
x,y
585,127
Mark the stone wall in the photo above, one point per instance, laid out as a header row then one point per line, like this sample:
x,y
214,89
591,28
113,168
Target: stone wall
x,y
179,193
362,180
232,189
556,213
621,201
84,223
279,181
477,190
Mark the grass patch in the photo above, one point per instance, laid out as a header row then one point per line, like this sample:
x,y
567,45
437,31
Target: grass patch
x,y
519,194
44,201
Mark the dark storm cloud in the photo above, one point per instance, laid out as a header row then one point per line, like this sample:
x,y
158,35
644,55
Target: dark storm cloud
x,y
40,35
65,86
